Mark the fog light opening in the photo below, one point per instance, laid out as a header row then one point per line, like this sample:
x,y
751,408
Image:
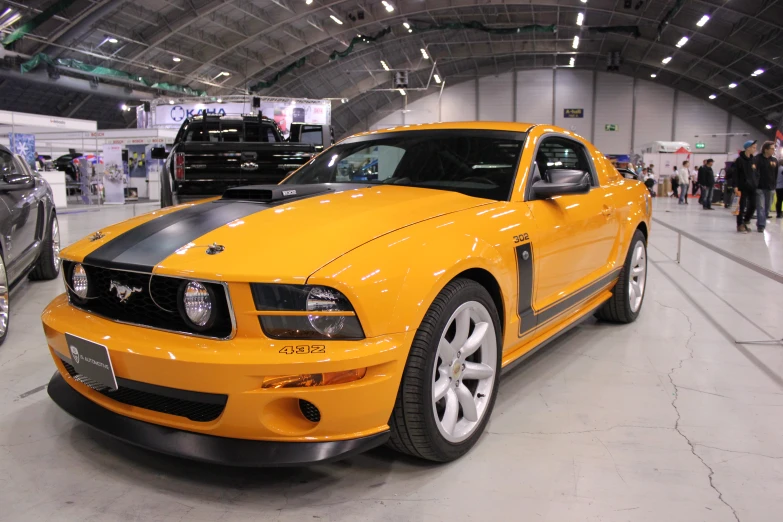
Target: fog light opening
x,y
309,410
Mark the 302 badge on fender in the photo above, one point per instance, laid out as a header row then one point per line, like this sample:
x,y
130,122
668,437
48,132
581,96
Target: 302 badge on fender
x,y
303,349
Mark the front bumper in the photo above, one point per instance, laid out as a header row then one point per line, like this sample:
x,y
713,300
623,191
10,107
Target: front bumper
x,y
205,448
355,413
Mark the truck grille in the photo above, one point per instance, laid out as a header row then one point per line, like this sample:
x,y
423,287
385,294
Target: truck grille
x,y
140,307
171,401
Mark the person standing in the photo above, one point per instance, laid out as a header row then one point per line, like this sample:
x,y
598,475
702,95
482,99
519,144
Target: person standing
x,y
728,187
767,166
684,177
675,183
707,182
746,179
779,192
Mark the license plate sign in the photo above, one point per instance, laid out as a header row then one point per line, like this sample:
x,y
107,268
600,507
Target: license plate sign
x,y
91,360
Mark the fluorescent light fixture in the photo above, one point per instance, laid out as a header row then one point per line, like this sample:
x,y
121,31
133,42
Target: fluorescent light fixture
x,y
437,78
653,75
424,53
176,58
769,126
402,91
113,40
580,18
584,1
758,72
713,96
388,6
732,85
224,73
6,13
666,60
385,67
11,21
704,19
575,45
572,62
406,25
336,20
682,41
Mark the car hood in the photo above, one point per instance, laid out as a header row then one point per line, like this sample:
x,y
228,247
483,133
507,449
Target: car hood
x,y
282,242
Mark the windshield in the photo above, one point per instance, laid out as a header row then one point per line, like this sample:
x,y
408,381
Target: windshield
x,y
477,163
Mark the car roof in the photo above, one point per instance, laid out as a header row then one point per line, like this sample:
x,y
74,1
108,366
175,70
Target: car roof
x,y
469,125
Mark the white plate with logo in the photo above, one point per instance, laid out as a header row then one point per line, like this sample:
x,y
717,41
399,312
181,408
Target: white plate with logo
x,y
91,360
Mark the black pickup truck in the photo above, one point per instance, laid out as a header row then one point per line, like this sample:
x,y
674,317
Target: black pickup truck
x,y
212,153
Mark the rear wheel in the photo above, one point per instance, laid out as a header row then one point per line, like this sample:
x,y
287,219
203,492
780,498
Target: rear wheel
x,y
628,295
451,377
48,264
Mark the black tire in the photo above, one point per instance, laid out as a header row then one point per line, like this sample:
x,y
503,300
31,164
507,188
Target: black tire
x,y
5,303
413,425
166,195
48,265
618,308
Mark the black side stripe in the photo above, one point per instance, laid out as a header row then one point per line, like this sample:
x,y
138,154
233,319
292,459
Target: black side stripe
x,y
141,248
530,319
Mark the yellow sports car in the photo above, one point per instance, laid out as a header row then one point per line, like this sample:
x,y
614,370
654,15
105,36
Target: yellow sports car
x,y
373,297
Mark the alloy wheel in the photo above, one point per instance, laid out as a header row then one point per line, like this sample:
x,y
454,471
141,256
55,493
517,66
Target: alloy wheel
x,y
3,299
464,372
637,277
56,243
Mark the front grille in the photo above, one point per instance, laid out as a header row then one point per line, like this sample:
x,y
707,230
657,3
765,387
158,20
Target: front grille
x,y
140,307
164,400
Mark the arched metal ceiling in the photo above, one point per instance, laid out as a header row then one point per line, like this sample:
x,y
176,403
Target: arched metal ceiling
x,y
254,39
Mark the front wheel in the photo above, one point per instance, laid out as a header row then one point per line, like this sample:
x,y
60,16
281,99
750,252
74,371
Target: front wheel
x,y
451,377
628,294
48,264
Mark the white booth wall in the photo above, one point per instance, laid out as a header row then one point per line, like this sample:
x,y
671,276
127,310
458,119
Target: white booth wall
x,y
644,111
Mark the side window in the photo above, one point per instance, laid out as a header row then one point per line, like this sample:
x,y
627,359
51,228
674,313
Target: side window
x,y
195,132
312,135
562,153
7,166
231,131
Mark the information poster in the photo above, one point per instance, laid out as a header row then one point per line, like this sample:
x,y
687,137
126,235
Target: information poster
x,y
113,175
24,145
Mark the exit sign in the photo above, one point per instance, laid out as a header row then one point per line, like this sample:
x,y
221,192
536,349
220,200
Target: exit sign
x,y
700,145
610,127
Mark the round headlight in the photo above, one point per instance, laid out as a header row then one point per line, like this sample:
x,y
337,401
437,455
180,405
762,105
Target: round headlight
x,y
322,299
197,302
79,283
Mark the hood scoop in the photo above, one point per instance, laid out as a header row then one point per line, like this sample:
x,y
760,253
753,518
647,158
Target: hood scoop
x,y
272,193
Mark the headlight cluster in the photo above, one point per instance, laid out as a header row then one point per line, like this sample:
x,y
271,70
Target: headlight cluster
x,y
197,304
79,282
316,312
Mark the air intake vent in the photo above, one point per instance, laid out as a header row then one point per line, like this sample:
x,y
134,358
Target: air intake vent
x,y
310,411
270,193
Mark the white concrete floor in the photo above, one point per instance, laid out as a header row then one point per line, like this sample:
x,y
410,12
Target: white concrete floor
x,y
667,419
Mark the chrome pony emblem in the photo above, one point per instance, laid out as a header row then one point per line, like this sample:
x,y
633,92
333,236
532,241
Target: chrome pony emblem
x,y
123,292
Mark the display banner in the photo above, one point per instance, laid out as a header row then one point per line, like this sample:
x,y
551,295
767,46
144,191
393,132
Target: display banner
x,y
283,110
24,145
113,174
573,113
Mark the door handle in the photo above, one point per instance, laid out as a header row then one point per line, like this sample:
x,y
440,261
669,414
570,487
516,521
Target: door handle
x,y
607,211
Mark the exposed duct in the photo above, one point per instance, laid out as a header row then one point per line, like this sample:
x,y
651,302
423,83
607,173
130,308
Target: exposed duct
x,y
76,84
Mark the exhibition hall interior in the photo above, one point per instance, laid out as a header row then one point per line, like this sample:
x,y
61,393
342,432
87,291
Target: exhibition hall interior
x,y
375,260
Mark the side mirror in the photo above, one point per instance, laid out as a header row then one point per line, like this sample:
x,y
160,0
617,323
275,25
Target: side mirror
x,y
562,182
158,153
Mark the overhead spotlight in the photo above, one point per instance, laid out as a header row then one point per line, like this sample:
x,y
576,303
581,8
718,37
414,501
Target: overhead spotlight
x,y
437,78
703,20
124,107
176,58
171,102
580,18
575,45
6,20
758,72
336,20
344,100
219,100
402,91
713,96
388,6
113,40
682,41
666,60
424,53
385,67
769,126
406,25
308,2
584,1
732,85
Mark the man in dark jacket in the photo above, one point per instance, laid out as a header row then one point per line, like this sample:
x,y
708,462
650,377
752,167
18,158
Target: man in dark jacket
x,y
767,166
707,182
746,179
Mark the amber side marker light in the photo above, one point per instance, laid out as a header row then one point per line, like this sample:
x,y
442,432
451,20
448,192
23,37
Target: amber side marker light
x,y
309,380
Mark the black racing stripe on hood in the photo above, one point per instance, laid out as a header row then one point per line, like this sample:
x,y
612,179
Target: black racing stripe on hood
x,y
143,247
